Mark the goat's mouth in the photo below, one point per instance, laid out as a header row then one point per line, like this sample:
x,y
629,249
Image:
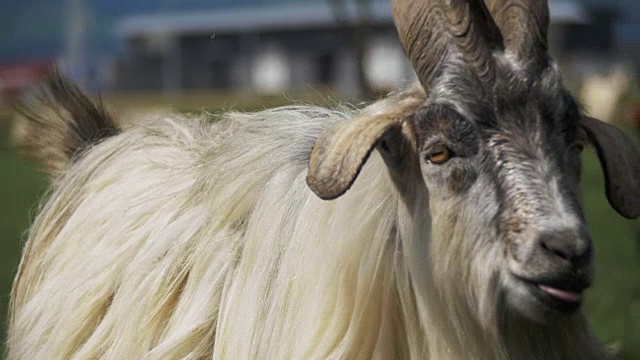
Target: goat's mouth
x,y
542,300
563,296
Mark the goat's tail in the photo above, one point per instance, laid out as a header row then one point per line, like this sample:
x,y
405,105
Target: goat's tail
x,y
60,124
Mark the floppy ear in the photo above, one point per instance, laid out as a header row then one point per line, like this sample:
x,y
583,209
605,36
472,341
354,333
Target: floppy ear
x,y
341,150
620,163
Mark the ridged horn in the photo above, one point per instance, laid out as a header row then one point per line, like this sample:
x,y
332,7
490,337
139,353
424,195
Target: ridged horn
x,y
524,25
427,28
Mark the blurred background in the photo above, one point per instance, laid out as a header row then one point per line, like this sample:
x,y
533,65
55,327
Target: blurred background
x,y
215,55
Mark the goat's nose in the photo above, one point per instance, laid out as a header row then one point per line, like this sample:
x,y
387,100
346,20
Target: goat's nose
x,y
569,245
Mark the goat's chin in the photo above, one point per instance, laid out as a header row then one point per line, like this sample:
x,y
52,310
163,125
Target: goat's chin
x,y
529,301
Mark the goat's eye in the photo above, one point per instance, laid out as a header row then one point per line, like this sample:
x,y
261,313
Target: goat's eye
x,y
438,154
577,146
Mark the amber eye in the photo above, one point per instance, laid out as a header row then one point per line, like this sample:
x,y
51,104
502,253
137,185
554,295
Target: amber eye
x,y
438,154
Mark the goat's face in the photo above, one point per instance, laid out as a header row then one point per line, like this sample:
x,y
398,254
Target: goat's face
x,y
495,142
503,178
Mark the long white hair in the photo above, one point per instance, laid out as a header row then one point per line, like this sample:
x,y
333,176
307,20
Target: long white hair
x,y
179,237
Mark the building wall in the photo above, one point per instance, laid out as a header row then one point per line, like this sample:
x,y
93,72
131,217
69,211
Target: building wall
x,y
273,61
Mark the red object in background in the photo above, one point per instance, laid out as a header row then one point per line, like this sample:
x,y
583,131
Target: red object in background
x,y
17,77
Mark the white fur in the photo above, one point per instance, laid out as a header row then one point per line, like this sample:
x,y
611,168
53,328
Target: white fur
x,y
182,238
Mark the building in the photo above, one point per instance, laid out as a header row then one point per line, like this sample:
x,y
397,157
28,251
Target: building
x,y
273,48
79,35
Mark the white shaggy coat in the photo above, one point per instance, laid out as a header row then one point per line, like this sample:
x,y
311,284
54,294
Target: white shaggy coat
x,y
186,239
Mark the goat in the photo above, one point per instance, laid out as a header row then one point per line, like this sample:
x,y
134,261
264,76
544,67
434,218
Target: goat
x,y
462,238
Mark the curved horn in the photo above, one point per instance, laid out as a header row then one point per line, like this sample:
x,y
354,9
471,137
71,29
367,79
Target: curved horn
x,y
427,27
524,25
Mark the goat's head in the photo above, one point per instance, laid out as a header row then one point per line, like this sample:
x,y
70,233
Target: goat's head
x,y
495,143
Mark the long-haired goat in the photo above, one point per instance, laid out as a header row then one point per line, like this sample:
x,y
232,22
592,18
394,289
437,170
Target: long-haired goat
x,y
463,236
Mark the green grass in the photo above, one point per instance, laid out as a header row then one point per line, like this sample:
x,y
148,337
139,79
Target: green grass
x,y
613,303
20,187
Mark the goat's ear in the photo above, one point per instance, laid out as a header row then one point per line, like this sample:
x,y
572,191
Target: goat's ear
x,y
620,163
341,150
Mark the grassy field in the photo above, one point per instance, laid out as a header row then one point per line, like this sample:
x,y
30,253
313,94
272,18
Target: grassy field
x,y
613,303
20,188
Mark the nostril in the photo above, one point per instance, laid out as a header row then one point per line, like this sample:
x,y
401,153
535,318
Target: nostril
x,y
566,245
557,252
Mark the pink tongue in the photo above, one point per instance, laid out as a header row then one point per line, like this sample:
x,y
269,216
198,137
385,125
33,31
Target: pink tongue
x,y
561,294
